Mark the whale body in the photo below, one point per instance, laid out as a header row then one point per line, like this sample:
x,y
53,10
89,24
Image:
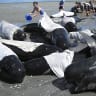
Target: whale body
x,y
11,32
56,63
81,75
10,66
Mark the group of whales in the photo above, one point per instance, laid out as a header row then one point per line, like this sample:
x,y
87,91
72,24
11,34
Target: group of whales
x,y
66,19
41,56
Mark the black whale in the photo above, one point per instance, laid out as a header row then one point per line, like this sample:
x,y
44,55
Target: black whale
x,y
11,68
82,75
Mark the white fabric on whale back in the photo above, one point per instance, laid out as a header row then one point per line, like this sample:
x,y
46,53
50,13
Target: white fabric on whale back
x,y
78,35
62,13
88,4
48,24
68,19
67,13
25,46
5,51
7,30
90,41
88,32
58,62
64,20
79,48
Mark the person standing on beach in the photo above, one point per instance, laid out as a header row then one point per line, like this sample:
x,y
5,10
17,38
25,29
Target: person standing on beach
x,y
61,5
37,10
87,8
75,9
91,6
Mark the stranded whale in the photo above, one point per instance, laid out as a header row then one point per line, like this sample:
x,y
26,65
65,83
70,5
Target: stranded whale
x,y
11,32
36,33
68,22
10,66
82,75
49,32
59,35
55,63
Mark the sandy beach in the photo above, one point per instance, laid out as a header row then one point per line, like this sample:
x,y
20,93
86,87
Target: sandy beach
x,y
38,85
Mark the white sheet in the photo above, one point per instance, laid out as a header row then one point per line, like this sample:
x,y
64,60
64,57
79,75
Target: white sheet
x,y
7,30
62,13
48,24
68,19
25,46
5,51
85,36
58,62
78,35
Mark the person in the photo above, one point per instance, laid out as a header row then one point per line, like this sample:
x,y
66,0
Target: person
x,y
80,7
91,6
75,9
61,4
37,10
87,8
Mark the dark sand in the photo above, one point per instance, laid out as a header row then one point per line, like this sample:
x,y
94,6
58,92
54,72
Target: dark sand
x,y
38,85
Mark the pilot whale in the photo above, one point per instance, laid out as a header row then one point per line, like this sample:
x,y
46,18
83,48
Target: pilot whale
x,y
53,63
36,33
59,35
10,66
11,32
81,76
62,18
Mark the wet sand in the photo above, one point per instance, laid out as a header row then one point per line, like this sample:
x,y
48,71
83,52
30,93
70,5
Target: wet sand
x,y
38,85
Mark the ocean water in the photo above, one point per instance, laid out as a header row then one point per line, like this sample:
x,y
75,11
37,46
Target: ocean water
x,y
15,12
12,1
